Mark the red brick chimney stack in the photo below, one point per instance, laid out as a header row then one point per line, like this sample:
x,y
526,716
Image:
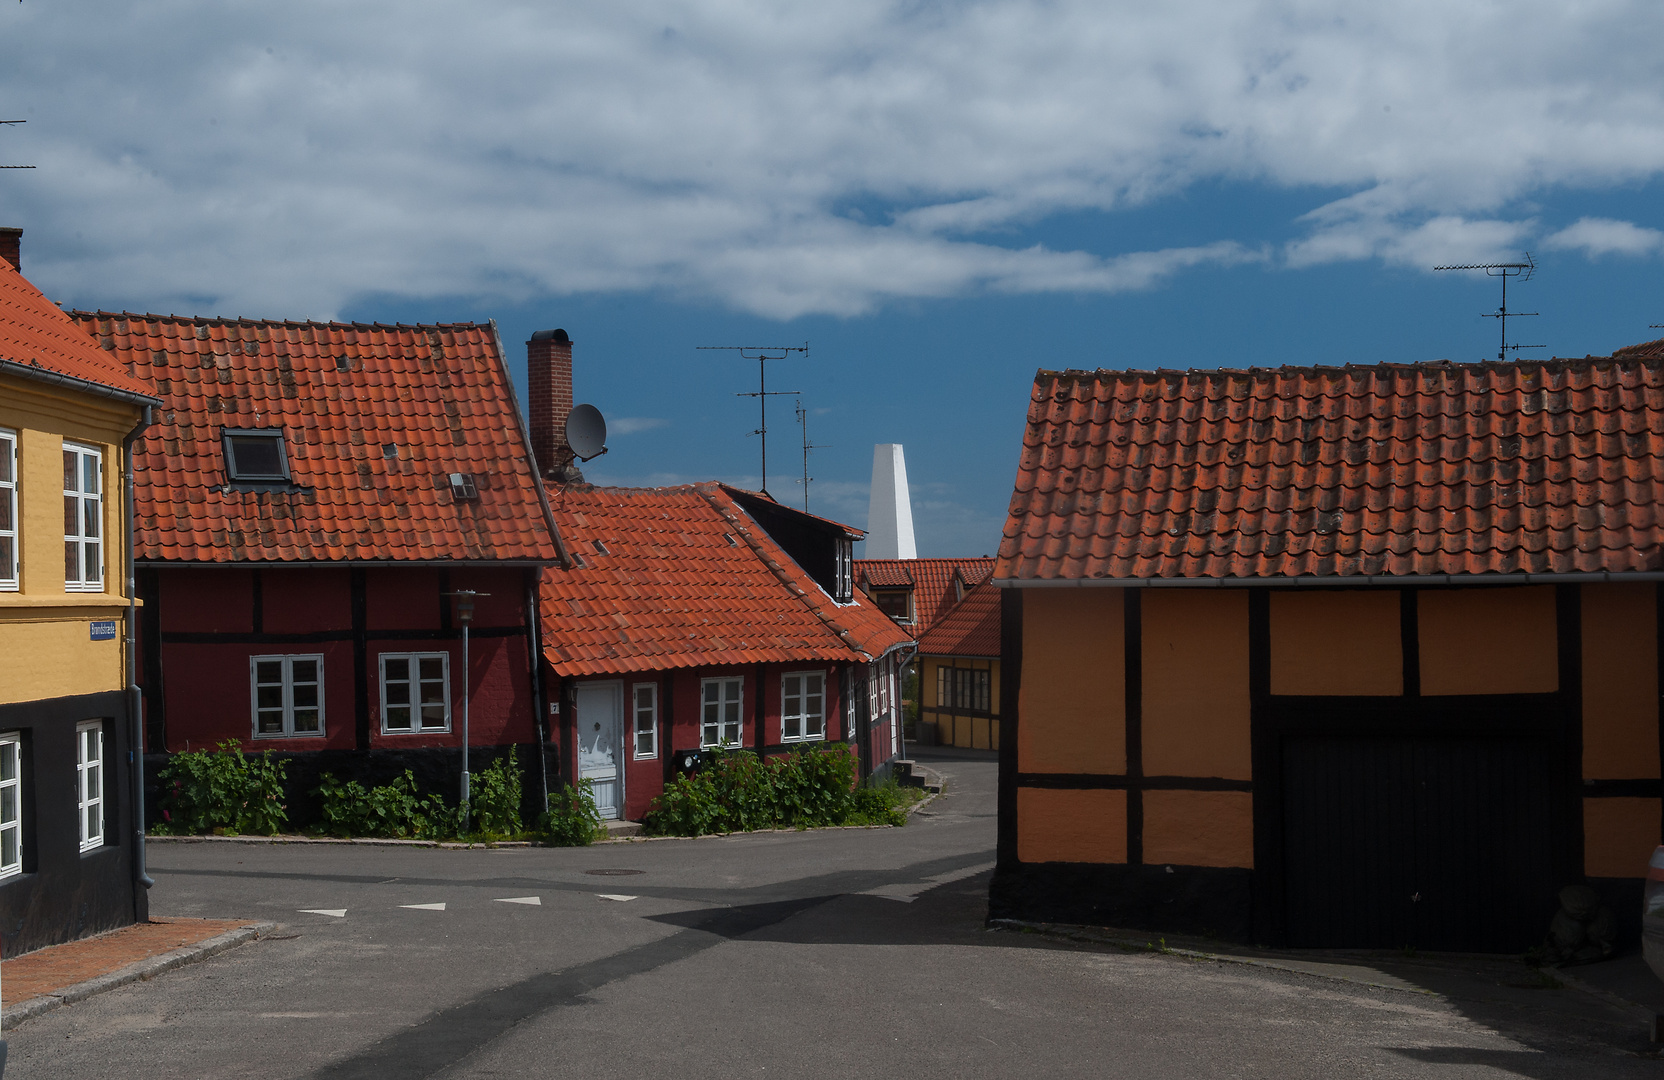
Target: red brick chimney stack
x,y
549,386
11,245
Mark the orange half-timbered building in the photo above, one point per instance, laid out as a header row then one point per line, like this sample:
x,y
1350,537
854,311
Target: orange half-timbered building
x,y
1362,656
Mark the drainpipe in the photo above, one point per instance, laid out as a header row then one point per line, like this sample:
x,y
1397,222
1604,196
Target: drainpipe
x,y
540,712
136,746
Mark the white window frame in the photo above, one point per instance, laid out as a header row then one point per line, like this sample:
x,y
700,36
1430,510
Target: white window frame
x,y
844,573
802,715
89,782
9,560
415,704
647,711
11,804
711,734
287,660
87,506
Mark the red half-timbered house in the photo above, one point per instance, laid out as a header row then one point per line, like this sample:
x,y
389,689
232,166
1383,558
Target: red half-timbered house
x,y
311,498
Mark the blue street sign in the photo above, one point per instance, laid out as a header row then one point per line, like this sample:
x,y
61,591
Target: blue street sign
x,y
104,630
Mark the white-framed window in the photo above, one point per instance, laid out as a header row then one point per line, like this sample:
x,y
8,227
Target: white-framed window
x,y
89,782
964,689
415,692
802,706
644,706
286,695
722,709
844,585
83,519
8,514
11,804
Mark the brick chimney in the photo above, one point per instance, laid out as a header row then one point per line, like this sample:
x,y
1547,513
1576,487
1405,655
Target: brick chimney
x,y
549,399
11,244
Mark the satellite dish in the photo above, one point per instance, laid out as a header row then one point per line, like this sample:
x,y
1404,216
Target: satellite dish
x,y
586,432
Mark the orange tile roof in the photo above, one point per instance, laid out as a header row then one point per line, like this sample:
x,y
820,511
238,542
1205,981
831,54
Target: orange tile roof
x,y
970,628
41,339
1390,469
1647,350
932,581
683,576
439,395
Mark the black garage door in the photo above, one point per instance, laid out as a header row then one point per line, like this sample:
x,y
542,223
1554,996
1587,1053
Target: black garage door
x,y
1430,843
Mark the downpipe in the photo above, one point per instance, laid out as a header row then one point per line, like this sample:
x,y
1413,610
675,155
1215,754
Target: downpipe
x,y
135,746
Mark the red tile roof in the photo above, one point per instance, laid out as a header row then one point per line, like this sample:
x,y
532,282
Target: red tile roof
x,y
1392,469
42,339
438,395
932,581
1647,350
687,578
970,628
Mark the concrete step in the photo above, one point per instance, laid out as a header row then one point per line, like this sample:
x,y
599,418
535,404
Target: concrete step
x,y
617,830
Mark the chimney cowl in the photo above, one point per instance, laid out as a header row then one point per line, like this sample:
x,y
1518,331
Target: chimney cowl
x,y
556,335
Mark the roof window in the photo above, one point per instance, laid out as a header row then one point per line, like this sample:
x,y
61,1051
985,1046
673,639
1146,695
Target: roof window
x,y
256,454
462,486
600,548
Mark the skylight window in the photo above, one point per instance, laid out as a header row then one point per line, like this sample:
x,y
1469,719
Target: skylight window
x,y
256,454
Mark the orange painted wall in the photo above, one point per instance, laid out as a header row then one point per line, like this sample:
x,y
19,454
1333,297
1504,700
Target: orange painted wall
x,y
1488,641
1196,708
1071,826
1199,828
1619,836
1073,697
1620,681
1336,642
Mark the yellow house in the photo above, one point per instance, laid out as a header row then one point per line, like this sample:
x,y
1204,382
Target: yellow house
x,y
70,863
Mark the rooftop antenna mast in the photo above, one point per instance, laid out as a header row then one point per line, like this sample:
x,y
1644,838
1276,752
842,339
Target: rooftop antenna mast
x,y
4,122
803,420
762,354
1521,270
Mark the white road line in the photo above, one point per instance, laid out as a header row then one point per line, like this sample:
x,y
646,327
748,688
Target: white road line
x,y
339,912
614,896
534,901
424,907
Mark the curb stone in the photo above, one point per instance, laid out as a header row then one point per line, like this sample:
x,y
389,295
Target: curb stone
x,y
369,841
139,970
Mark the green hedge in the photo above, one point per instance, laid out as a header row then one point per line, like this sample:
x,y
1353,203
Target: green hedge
x,y
737,792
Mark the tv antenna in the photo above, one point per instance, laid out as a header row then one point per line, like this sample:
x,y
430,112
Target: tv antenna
x,y
762,354
4,122
803,420
1521,270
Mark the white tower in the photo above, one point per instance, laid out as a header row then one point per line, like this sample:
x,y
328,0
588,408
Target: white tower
x,y
889,514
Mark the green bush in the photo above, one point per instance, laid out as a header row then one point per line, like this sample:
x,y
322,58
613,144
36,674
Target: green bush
x,y
737,792
392,810
572,819
494,809
224,791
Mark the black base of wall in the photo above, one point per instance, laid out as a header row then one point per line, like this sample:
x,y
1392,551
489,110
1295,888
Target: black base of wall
x,y
1623,896
437,771
1206,901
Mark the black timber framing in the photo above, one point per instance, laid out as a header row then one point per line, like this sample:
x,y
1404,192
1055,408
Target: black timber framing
x,y
1011,678
1132,634
150,639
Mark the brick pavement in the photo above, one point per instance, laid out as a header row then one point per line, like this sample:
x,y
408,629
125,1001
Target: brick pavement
x,y
53,969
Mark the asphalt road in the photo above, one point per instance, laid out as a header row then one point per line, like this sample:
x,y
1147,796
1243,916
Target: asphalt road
x,y
857,952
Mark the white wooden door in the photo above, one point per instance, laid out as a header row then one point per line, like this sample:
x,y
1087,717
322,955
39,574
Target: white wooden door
x,y
600,757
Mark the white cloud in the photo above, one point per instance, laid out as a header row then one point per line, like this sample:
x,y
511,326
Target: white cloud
x,y
631,425
1603,236
784,158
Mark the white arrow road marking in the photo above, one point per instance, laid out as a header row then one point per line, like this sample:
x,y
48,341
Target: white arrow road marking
x,y
339,912
534,901
424,907
614,896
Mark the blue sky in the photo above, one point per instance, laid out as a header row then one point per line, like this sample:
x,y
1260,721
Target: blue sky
x,y
938,197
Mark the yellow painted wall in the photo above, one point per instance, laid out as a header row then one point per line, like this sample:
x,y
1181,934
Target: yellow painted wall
x,y
974,732
1071,826
1199,828
1488,641
45,641
1619,836
1620,681
1336,642
1196,706
1072,699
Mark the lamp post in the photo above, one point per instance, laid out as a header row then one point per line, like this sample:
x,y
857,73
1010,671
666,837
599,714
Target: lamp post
x,y
465,615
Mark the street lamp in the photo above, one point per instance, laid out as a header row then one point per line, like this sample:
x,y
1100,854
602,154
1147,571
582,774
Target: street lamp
x,y
465,615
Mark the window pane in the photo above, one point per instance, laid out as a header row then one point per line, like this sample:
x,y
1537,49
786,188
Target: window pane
x,y
306,720
89,474
433,693
269,697
6,451
791,727
713,692
305,671
72,515
433,716
398,693
398,669
70,471
398,716
94,786
95,567
305,696
268,671
5,505
89,746
90,827
89,514
432,668
8,846
8,761
8,804
270,722
255,456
